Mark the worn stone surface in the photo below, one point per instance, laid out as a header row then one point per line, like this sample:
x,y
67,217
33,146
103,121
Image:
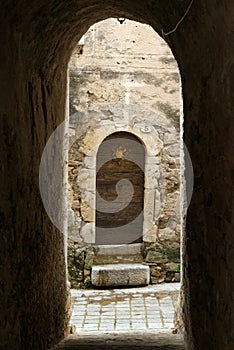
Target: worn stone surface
x,y
129,310
139,340
123,249
128,67
141,69
118,259
120,275
37,39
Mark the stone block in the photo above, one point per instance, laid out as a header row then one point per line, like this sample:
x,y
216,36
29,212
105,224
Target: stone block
x,y
149,232
122,249
171,266
89,162
168,234
89,259
86,178
155,255
155,271
87,232
172,251
149,198
120,275
87,206
172,137
174,150
152,173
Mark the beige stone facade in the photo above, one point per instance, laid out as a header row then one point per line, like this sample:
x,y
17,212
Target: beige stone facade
x,y
124,78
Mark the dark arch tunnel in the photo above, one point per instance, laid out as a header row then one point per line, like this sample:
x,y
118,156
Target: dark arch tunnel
x,y
36,42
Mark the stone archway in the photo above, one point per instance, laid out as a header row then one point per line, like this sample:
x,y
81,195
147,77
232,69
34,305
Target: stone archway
x,y
86,174
120,189
148,99
33,67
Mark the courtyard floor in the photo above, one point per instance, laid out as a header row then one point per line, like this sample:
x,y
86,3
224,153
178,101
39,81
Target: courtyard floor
x,y
124,318
125,309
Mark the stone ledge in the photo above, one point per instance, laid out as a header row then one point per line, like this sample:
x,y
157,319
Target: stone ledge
x,y
124,340
120,275
122,249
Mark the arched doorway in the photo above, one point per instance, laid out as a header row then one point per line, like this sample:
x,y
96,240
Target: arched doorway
x,y
120,189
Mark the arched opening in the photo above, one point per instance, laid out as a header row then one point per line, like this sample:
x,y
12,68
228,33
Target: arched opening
x,y
33,67
120,171
124,125
120,88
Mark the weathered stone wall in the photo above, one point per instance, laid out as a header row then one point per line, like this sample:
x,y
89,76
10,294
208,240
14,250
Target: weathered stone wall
x,y
34,289
125,78
36,41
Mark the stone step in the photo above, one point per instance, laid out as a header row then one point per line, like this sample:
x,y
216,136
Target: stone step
x,y
118,254
120,275
117,259
119,249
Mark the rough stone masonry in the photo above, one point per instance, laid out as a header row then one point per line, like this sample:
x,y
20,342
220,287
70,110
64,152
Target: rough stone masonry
x,y
124,78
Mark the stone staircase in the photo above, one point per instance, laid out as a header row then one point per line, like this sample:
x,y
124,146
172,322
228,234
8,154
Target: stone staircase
x,y
119,265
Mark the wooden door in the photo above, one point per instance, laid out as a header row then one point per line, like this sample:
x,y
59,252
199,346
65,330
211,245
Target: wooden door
x,y
120,189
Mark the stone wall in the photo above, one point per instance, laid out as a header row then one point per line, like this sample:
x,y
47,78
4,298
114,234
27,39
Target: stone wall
x,y
36,40
124,78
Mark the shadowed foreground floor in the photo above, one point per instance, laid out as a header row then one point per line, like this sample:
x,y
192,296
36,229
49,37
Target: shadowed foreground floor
x,y
140,341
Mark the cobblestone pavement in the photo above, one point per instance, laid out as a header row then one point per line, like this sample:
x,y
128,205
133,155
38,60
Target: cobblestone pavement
x,y
149,308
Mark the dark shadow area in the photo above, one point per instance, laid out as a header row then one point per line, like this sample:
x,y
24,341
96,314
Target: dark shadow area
x,y
138,341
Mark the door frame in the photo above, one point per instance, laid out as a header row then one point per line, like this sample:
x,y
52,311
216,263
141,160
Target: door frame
x,y
149,138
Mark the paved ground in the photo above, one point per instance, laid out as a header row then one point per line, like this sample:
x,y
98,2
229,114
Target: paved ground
x,y
124,319
121,310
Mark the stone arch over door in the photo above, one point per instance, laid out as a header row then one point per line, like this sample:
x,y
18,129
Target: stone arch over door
x,y
120,171
149,139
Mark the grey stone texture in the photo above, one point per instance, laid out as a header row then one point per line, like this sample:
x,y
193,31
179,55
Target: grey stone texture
x,y
129,309
129,318
120,275
37,39
131,87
